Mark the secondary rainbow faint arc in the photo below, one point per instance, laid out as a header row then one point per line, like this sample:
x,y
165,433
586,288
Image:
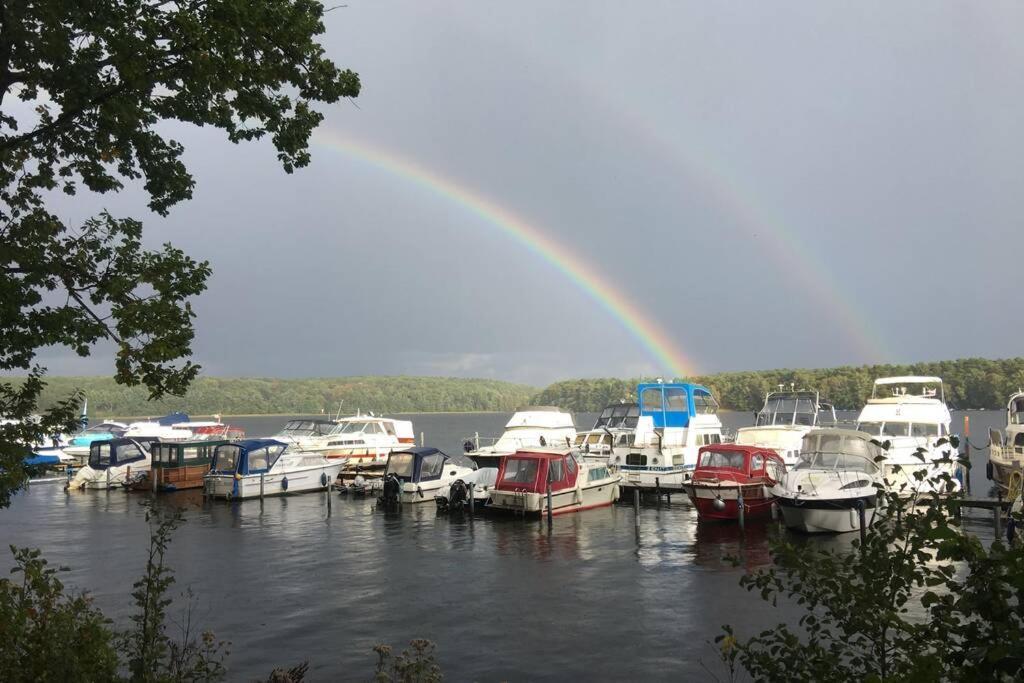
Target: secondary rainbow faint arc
x,y
583,275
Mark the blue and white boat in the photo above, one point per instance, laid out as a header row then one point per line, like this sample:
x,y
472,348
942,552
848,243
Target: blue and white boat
x,y
78,446
112,463
254,467
675,420
419,474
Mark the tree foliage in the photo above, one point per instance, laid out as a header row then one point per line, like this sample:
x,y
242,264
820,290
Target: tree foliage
x,y
970,383
85,86
919,599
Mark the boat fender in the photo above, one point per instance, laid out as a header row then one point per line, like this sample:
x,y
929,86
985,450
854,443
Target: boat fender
x,y
988,470
284,484
323,479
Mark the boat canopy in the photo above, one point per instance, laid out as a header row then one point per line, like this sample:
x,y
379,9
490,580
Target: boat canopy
x,y
1015,409
901,388
737,457
784,408
172,419
251,456
423,463
671,405
840,449
619,416
542,417
117,452
307,428
530,470
172,454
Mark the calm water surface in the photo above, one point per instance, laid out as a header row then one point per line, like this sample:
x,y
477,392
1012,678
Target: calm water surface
x,y
503,599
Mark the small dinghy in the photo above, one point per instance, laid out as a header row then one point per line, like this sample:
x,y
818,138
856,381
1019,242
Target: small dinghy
x,y
267,467
727,474
112,463
836,476
525,476
418,475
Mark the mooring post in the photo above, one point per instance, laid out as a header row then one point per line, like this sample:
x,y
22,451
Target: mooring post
x,y
152,473
967,453
636,508
262,474
472,503
329,502
862,517
108,477
657,489
739,506
476,440
550,511
997,513
423,439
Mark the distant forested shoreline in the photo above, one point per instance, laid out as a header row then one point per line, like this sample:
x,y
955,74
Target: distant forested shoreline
x,y
970,383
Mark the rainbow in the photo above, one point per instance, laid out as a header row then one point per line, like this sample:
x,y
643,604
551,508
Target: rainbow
x,y
650,335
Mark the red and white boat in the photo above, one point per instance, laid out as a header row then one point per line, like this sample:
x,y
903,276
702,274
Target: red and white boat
x,y
524,477
727,472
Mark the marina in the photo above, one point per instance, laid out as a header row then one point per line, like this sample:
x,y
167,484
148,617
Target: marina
x,y
358,564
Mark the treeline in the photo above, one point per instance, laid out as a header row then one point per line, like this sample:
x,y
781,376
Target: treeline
x,y
235,396
969,383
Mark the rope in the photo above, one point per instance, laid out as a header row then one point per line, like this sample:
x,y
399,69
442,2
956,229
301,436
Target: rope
x,y
977,448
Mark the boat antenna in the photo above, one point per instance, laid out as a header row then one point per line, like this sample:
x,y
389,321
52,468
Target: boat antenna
x,y
340,404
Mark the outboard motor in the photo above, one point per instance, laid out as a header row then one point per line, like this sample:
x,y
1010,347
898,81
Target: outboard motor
x,y
458,495
391,496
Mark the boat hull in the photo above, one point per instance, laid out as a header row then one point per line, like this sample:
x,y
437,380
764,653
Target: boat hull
x,y
667,480
721,502
170,479
594,495
299,480
830,516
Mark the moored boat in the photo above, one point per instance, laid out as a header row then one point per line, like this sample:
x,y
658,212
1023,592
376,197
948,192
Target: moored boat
x,y
176,465
530,427
783,421
730,474
112,463
361,441
266,467
1006,453
419,474
524,478
835,478
910,413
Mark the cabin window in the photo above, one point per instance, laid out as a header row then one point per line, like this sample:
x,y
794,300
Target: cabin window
x,y
632,417
636,460
924,429
556,470
651,400
624,440
757,463
100,455
730,459
432,466
259,460
596,473
1018,440
773,470
373,428
164,454
570,464
389,428
895,429
580,439
873,428
225,459
675,399
191,453
520,470
704,403
714,438
129,452
401,465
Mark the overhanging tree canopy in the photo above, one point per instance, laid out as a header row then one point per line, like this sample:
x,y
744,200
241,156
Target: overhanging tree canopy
x,y
83,87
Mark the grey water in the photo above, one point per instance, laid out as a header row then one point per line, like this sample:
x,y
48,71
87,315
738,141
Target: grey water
x,y
503,599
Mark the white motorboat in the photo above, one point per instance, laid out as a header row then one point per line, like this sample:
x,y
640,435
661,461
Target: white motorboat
x,y
534,426
420,474
268,467
615,425
675,420
910,413
112,463
362,441
1005,466
835,477
78,445
525,477
784,420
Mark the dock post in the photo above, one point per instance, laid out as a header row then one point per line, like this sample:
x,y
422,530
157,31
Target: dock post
x,y
550,511
861,517
152,473
472,503
262,475
476,440
636,508
997,513
327,489
967,452
740,506
108,478
423,440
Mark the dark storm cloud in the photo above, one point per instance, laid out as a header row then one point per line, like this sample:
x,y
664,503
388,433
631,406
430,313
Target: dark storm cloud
x,y
783,185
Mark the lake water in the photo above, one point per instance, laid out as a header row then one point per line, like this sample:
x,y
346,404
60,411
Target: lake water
x,y
503,598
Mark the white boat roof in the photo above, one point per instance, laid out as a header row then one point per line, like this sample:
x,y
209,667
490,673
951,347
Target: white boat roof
x,y
544,417
929,410
909,379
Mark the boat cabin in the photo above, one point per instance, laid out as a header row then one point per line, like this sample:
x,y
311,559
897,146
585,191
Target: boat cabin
x,y
791,408
530,471
671,405
251,456
840,449
180,464
737,463
423,464
618,416
117,453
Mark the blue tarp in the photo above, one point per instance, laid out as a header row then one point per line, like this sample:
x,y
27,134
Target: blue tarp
x,y
172,419
38,460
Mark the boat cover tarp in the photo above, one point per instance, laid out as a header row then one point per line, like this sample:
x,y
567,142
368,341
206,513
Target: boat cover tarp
x,y
172,419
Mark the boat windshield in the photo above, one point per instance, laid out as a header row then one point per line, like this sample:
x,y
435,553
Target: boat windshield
x,y
350,428
305,428
402,465
788,410
837,452
731,459
520,470
225,458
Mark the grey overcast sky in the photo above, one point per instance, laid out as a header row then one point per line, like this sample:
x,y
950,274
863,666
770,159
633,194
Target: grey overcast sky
x,y
784,184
